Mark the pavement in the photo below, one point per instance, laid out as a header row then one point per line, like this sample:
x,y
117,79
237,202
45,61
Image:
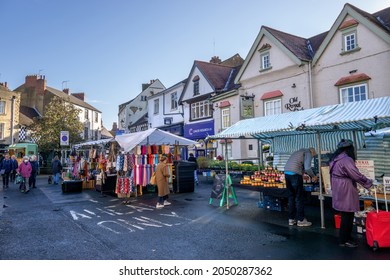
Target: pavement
x,y
200,231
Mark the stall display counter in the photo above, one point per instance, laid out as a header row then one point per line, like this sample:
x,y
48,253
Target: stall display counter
x,y
108,185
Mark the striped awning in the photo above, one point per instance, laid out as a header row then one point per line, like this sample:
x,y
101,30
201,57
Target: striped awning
x,y
300,128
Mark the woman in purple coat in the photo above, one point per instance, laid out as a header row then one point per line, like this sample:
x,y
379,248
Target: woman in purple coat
x,y
24,170
345,196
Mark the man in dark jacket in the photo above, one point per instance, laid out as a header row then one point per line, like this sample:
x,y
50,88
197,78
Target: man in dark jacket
x,y
34,172
192,158
298,163
6,168
15,166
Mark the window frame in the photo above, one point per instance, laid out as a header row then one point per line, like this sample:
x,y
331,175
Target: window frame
x,y
225,117
265,59
354,87
2,132
229,148
86,114
346,34
2,107
201,110
196,87
156,106
272,101
174,103
86,132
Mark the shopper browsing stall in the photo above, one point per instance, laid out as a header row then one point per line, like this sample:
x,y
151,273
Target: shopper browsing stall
x,y
298,163
162,176
344,176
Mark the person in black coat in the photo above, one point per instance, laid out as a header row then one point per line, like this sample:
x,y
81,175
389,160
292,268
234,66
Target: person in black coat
x,y
34,172
6,168
192,158
15,166
56,167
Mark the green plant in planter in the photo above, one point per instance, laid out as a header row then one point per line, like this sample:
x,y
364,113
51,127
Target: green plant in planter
x,y
233,165
203,162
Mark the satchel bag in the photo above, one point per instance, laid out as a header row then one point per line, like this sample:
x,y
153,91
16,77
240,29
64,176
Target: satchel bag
x,y
153,180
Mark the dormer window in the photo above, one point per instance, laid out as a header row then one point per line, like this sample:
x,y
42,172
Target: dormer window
x,y
349,36
265,59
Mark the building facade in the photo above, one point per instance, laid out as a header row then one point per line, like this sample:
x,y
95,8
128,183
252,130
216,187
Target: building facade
x,y
35,95
133,115
164,110
9,116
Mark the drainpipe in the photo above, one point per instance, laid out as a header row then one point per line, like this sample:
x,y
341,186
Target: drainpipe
x,y
310,86
12,119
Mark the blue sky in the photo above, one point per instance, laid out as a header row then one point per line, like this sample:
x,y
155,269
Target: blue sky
x,y
108,49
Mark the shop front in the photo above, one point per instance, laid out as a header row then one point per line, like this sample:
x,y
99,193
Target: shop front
x,y
199,132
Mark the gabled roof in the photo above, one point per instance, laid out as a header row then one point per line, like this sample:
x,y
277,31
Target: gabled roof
x,y
72,99
27,115
301,49
378,23
219,76
296,45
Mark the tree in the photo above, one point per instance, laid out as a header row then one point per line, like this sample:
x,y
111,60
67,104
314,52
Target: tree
x,y
59,116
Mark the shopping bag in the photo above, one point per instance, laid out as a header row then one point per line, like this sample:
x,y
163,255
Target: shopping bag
x,y
18,179
153,180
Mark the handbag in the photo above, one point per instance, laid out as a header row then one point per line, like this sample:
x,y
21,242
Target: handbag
x,y
19,179
2,171
153,180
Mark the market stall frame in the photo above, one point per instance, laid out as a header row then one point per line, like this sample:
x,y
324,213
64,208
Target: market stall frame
x,y
352,118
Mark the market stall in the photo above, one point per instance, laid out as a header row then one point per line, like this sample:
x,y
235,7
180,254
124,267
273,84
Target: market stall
x,y
89,162
321,127
146,148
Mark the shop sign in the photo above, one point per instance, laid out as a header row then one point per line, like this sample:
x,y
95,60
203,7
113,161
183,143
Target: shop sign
x,y
64,138
294,105
199,130
119,132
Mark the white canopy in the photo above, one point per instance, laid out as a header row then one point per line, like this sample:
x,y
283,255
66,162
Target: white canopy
x,y
153,136
93,143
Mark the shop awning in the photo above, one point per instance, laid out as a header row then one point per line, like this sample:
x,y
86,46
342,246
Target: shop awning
x,y
153,136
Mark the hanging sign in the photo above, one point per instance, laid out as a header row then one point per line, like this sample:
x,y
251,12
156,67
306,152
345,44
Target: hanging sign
x,y
64,138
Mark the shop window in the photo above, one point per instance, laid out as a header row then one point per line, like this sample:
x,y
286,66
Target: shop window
x,y
273,107
353,93
225,117
2,107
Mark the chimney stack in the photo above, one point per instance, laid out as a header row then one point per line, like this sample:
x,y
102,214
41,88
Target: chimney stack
x,y
66,90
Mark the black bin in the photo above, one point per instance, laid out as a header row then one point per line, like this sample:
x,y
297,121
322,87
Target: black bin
x,y
183,176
